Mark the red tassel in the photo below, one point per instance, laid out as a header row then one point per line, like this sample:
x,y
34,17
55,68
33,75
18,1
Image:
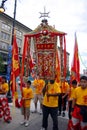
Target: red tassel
x,y
17,104
70,125
85,128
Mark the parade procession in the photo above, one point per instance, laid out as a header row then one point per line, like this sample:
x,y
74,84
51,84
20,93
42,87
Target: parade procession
x,y
39,79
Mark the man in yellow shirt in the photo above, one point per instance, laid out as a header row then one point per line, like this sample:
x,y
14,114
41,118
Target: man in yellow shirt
x,y
26,100
38,84
50,104
79,106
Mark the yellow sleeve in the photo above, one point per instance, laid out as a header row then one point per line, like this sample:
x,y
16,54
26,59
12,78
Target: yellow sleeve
x,y
5,87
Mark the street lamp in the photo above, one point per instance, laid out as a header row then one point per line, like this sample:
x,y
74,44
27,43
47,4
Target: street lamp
x,y
2,9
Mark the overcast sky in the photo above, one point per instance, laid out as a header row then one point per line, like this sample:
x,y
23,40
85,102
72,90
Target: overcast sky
x,y
69,16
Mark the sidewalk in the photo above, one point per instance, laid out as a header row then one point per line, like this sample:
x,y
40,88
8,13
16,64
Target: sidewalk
x,y
35,120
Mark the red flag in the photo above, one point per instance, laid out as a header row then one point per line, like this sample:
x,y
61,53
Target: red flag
x,y
75,67
31,63
57,67
24,54
15,58
15,64
65,57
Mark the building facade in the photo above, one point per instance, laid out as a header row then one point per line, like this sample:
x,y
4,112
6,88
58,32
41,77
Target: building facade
x,y
6,26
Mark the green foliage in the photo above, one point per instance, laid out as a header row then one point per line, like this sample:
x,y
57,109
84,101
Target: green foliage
x,y
1,64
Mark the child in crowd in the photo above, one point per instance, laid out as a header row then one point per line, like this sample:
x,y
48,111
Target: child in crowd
x,y
26,100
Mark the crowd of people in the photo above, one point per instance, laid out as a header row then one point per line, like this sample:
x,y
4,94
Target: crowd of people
x,y
53,97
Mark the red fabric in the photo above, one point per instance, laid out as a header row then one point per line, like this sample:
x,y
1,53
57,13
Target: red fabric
x,y
15,64
70,125
76,113
1,112
24,54
75,67
45,46
46,64
31,65
75,127
21,103
52,34
15,58
4,109
46,60
23,60
17,104
57,67
85,128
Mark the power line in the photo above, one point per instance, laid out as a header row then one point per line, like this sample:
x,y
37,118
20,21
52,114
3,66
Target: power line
x,y
82,61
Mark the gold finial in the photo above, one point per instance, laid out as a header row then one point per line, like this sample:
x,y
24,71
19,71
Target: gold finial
x,y
44,15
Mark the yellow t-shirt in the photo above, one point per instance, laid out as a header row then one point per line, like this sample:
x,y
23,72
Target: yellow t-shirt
x,y
4,87
71,93
52,101
38,84
65,87
81,96
27,93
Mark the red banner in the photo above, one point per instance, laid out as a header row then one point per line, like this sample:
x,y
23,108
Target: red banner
x,y
46,60
15,58
75,68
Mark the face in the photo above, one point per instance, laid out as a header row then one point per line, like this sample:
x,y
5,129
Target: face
x,y
28,85
74,85
62,79
83,83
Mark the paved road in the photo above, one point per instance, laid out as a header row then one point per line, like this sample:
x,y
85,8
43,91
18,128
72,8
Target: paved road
x,y
35,121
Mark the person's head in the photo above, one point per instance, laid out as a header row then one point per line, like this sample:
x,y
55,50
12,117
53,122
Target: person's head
x,y
62,79
52,81
74,83
3,79
28,84
83,82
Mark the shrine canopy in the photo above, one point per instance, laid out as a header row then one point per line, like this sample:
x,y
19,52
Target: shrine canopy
x,y
42,28
44,42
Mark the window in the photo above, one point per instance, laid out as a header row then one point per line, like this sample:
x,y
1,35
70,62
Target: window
x,y
3,45
19,42
4,56
18,33
6,27
5,36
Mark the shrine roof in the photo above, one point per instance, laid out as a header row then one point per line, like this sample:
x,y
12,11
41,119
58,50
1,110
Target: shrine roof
x,y
47,27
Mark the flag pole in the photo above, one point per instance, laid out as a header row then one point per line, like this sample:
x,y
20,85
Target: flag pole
x,y
9,96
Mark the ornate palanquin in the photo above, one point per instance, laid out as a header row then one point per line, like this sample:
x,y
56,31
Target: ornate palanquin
x,y
45,45
46,57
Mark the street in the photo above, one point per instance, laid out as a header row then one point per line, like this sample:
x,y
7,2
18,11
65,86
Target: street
x,y
34,122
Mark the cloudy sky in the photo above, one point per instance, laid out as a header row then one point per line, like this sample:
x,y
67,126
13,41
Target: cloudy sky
x,y
69,16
